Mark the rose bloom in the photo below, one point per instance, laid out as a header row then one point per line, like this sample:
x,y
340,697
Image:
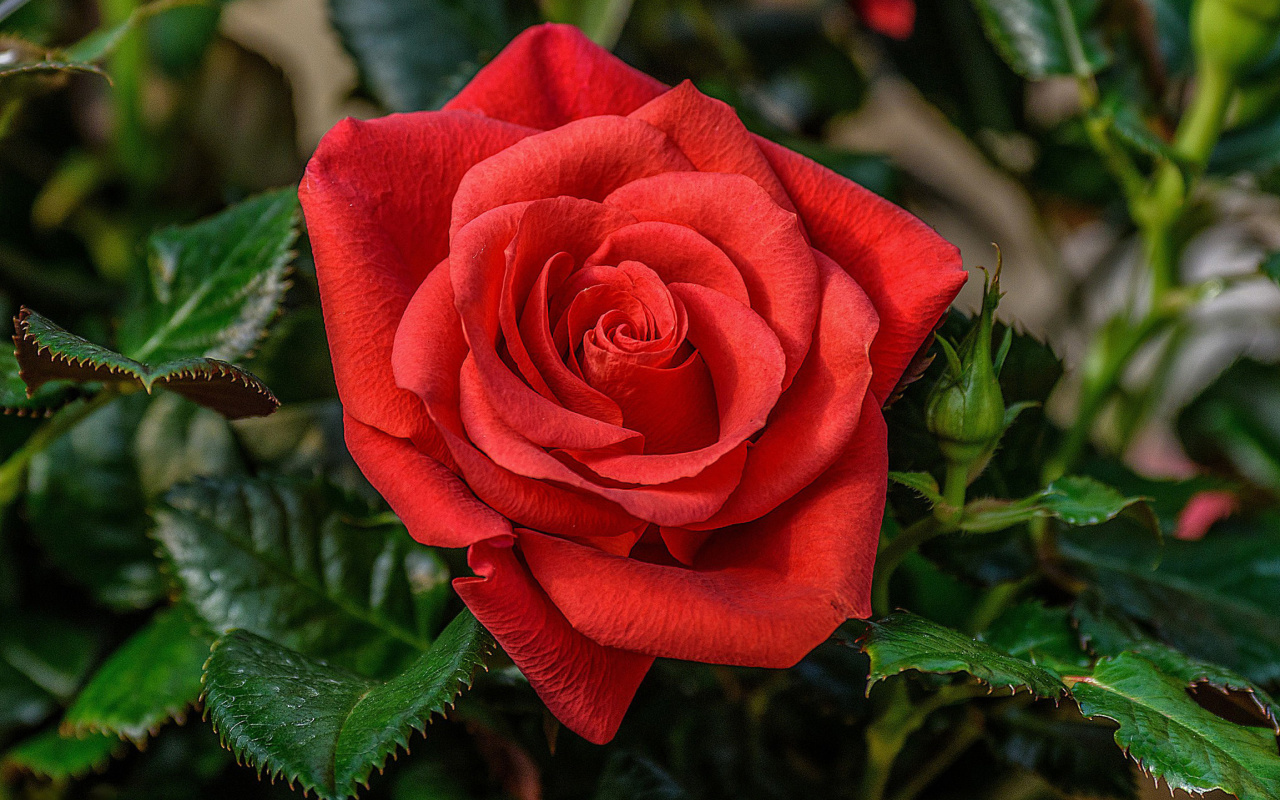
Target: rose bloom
x,y
629,354
894,18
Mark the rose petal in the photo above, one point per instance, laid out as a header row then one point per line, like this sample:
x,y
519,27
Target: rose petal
x,y
586,686
677,254
762,594
763,240
910,272
377,198
586,159
478,262
676,503
436,507
428,356
745,363
815,419
553,74
710,134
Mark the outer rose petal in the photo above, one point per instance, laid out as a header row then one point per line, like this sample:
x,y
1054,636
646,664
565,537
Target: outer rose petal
x,y
910,272
587,686
553,74
436,507
377,198
762,594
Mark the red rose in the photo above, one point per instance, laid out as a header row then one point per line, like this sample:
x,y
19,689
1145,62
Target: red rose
x,y
629,354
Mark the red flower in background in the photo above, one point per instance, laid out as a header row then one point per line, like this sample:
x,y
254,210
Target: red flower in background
x,y
895,18
629,354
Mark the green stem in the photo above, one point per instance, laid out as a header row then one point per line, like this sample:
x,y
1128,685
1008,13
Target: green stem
x,y
900,718
892,555
14,468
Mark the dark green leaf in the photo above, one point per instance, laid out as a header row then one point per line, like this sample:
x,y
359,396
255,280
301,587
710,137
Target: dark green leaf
x,y
46,353
303,565
87,509
48,67
1040,635
42,662
177,441
416,54
1215,598
1235,422
1249,148
1035,37
1173,738
214,285
1073,754
323,726
152,678
61,758
102,42
904,641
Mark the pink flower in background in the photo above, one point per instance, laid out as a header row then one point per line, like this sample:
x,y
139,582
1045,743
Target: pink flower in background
x,y
1203,511
894,18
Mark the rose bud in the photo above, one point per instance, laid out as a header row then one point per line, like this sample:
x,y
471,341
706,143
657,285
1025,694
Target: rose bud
x,y
965,410
630,355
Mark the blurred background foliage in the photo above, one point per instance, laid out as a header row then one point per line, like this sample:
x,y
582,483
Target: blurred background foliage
x,y
119,118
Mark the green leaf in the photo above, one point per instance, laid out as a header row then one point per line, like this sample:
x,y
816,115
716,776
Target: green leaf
x,y
214,285
1040,635
1077,500
62,758
152,678
904,641
87,510
299,563
48,67
102,42
46,353
1036,37
1235,422
1074,499
1173,738
13,391
414,55
1215,598
177,441
42,662
320,725
922,483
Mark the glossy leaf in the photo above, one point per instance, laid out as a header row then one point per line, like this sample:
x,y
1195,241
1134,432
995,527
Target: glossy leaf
x,y
414,55
1076,500
150,679
47,353
922,483
214,285
1035,37
61,758
1074,755
325,727
1173,738
299,563
1215,598
13,391
904,642
1039,634
1235,423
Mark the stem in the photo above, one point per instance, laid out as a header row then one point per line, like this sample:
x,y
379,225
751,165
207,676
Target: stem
x,y
900,718
892,555
954,484
14,468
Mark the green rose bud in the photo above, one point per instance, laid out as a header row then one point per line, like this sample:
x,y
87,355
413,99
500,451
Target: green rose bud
x,y
1234,35
965,409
